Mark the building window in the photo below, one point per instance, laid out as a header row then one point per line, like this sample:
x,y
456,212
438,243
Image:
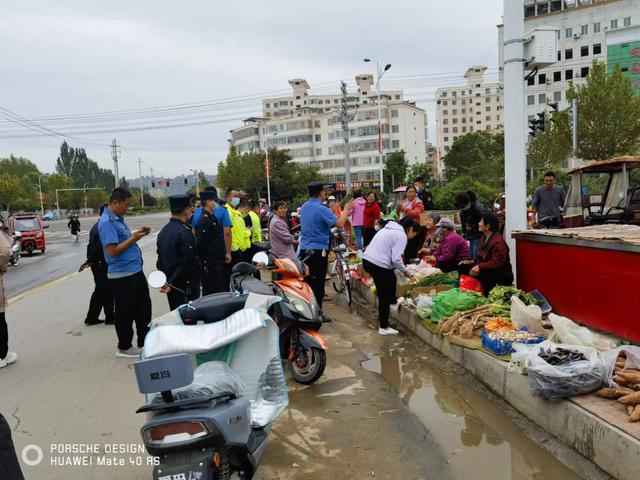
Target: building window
x,y
478,122
487,100
455,129
488,127
445,129
557,96
568,74
445,121
446,139
488,109
318,151
542,98
444,94
557,76
394,113
335,100
542,78
614,24
395,128
444,103
597,48
584,72
445,112
464,110
395,144
454,121
596,27
568,33
471,129
454,112
454,102
464,129
584,30
559,55
464,102
397,97
487,91
318,137
464,120
627,21
531,80
454,93
267,105
584,51
488,118
316,124
568,54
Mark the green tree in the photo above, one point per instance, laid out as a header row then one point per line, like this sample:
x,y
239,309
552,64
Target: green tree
x,y
479,155
76,165
424,170
27,173
67,199
550,149
9,191
395,169
443,197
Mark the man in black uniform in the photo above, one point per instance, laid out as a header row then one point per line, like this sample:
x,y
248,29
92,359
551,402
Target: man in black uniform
x,y
177,255
210,244
424,194
102,296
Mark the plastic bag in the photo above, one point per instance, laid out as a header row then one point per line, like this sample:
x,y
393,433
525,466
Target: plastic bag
x,y
424,301
567,331
447,303
560,381
528,316
633,360
471,284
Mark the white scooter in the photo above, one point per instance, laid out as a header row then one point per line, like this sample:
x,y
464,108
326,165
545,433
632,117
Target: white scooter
x,y
16,246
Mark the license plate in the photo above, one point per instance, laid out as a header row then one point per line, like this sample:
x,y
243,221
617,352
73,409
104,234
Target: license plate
x,y
200,470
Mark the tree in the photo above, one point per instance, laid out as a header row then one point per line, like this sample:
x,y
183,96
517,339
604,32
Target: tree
x,y
395,169
9,190
424,170
67,199
443,197
74,163
27,174
550,148
479,155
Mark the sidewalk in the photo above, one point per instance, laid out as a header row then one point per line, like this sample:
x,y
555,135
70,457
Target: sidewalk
x,y
578,422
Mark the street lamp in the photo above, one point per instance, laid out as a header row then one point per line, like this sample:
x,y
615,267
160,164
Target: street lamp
x,y
39,185
197,173
84,189
267,167
380,73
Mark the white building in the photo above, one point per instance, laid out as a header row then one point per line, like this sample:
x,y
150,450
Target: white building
x,y
309,127
582,28
461,109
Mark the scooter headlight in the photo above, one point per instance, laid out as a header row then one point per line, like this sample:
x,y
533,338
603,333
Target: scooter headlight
x,y
168,434
301,307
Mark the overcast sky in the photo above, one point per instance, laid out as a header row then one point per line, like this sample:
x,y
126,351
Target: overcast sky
x,y
70,57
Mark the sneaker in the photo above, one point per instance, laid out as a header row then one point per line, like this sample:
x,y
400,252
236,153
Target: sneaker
x,y
394,307
132,352
387,331
8,360
95,321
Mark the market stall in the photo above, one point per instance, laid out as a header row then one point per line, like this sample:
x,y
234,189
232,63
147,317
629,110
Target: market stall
x,y
589,273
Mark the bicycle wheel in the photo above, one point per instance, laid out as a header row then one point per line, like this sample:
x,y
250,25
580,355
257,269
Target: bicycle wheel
x,y
347,289
337,279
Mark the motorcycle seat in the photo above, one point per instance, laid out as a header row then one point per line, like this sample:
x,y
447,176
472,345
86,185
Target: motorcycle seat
x,y
212,308
253,285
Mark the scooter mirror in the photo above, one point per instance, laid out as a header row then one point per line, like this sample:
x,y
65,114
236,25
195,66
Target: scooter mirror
x,y
497,206
260,258
17,234
157,279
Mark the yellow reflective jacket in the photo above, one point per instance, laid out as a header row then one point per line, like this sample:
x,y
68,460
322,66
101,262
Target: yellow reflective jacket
x,y
240,235
256,227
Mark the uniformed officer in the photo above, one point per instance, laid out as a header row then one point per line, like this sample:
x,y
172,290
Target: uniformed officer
x,y
177,254
211,246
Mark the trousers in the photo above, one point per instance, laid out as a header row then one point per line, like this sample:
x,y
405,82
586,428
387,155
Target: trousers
x,y
4,336
102,296
318,263
132,304
177,298
213,279
385,281
9,466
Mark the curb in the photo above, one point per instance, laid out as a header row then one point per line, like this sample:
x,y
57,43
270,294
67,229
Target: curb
x,y
602,443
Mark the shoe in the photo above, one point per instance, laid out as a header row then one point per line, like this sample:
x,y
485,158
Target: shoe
x,y
387,331
95,321
109,322
132,352
8,360
395,306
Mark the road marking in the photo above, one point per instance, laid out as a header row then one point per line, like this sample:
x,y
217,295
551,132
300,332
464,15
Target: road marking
x,y
44,286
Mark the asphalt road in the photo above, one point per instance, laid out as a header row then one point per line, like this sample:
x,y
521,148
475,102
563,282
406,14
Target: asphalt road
x,y
63,256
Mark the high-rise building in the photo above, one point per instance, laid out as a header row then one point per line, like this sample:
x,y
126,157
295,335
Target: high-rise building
x,y
623,49
583,29
461,109
309,126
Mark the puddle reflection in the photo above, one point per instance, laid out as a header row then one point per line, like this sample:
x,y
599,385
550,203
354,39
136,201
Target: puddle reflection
x,y
478,439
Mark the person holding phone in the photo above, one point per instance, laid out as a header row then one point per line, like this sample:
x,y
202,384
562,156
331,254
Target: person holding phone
x,y
124,260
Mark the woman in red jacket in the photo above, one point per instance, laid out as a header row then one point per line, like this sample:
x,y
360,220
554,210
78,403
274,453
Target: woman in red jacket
x,y
411,206
492,266
371,215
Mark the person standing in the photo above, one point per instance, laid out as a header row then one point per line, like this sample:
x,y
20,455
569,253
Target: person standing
x,y
124,260
548,202
357,218
178,256
6,357
382,258
411,206
210,245
102,296
240,235
316,223
283,243
371,215
424,194
74,226
470,215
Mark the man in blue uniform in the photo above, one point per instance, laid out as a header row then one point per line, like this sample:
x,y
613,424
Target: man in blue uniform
x,y
316,223
177,255
211,247
124,258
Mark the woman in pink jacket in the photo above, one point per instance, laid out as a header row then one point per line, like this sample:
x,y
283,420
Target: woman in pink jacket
x,y
357,217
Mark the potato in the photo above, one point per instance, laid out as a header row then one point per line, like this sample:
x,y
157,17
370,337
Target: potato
x,y
614,392
633,376
623,382
635,415
631,399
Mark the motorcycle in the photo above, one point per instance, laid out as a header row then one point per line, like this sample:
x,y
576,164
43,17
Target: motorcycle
x,y
298,315
16,246
211,422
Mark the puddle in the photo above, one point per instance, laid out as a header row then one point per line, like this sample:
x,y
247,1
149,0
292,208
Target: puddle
x,y
477,438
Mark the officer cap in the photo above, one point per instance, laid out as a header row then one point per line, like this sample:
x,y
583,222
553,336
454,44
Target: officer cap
x,y
315,188
178,203
209,195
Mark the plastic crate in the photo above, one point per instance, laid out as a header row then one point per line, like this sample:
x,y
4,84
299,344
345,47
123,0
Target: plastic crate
x,y
505,347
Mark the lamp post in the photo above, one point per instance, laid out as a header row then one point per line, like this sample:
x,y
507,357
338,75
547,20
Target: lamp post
x,y
84,189
196,173
380,73
39,185
267,167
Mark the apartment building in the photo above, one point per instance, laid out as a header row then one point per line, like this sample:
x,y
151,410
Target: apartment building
x,y
309,127
623,50
583,27
461,109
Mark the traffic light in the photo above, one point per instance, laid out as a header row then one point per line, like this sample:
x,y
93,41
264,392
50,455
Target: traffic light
x,y
168,183
537,124
185,181
554,106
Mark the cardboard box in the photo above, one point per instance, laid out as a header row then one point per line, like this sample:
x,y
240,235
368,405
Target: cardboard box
x,y
402,290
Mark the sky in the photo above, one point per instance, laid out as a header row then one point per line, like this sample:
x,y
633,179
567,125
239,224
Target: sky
x,y
77,57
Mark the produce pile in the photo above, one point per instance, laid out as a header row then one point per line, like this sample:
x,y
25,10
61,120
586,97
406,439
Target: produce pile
x,y
438,279
445,304
628,393
510,335
561,356
467,324
500,295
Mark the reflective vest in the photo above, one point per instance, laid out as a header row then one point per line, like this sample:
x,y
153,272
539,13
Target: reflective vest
x,y
240,235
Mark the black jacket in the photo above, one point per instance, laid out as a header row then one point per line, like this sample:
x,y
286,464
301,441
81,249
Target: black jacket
x,y
470,219
74,225
95,253
427,198
210,240
177,255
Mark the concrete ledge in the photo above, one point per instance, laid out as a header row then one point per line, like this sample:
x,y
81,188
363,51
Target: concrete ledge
x,y
611,449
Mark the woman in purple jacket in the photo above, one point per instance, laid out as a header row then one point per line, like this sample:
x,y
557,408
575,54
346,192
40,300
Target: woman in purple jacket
x,y
283,244
452,250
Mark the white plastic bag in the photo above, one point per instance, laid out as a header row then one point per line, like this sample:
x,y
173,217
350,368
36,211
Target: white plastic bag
x,y
559,381
567,331
633,360
529,316
424,301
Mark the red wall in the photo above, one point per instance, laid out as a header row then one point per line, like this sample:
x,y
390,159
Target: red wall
x,y
596,287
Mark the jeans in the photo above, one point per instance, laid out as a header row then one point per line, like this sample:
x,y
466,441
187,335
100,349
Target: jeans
x,y
386,282
473,247
132,303
358,231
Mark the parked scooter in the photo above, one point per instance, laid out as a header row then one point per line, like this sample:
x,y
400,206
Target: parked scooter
x,y
14,258
211,423
298,315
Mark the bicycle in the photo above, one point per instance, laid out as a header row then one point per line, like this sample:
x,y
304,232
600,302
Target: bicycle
x,y
340,274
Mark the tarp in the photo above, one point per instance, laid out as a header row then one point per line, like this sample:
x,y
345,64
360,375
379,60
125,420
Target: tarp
x,y
629,234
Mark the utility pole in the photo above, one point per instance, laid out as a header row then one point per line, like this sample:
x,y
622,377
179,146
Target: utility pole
x,y
40,189
195,172
574,127
344,119
141,186
114,155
